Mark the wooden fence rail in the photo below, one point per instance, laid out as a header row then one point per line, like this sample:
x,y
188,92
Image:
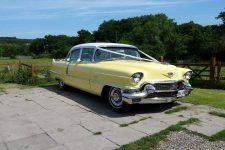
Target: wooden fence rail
x,y
32,67
214,70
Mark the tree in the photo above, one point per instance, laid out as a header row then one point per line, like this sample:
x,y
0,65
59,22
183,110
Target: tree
x,y
221,16
84,36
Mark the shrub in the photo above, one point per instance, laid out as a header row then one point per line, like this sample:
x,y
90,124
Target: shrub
x,y
24,76
207,84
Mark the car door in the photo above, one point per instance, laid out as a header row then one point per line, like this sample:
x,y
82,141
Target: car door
x,y
81,69
71,75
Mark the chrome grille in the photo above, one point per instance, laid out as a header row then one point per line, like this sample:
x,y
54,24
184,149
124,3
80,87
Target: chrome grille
x,y
162,94
166,86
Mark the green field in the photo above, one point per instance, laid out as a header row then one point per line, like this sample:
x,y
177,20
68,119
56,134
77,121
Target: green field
x,y
210,97
40,61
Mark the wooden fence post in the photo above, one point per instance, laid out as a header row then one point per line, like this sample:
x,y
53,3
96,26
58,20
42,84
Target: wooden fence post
x,y
32,70
212,68
218,71
161,58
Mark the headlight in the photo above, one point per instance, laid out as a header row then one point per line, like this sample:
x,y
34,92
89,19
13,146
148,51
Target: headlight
x,y
188,75
137,77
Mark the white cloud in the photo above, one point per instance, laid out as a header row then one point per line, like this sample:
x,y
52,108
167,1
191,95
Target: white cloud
x,y
45,9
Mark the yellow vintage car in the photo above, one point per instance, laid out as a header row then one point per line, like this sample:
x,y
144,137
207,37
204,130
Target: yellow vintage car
x,y
121,73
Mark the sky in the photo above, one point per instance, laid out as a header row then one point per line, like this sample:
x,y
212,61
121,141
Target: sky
x,y
37,18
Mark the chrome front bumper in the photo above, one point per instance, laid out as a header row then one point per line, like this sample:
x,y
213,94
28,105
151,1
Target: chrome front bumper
x,y
149,94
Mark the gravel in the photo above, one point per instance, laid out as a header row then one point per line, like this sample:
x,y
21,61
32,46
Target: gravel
x,y
185,141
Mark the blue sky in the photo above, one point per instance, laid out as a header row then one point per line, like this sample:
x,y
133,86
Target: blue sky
x,y
37,18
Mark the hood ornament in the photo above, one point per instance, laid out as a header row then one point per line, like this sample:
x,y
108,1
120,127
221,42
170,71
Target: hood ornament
x,y
169,74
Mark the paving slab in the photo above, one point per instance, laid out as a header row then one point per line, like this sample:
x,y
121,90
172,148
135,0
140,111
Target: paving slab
x,y
36,142
168,118
68,120
69,134
3,146
123,119
123,135
204,128
58,147
212,119
18,127
100,125
7,112
21,106
48,120
94,142
150,126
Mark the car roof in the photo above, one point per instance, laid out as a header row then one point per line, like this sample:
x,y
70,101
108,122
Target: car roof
x,y
103,45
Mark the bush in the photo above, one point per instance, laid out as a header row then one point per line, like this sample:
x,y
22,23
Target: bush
x,y
24,76
206,84
7,74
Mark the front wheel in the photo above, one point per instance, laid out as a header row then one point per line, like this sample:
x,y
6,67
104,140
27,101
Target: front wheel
x,y
115,100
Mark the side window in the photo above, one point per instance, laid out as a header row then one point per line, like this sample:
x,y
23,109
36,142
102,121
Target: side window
x,y
75,55
101,55
87,54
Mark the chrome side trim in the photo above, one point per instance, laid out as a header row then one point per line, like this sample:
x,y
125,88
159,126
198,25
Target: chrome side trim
x,y
105,83
80,78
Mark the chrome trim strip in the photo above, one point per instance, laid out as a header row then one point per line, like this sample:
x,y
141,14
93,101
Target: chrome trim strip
x,y
105,83
81,78
160,91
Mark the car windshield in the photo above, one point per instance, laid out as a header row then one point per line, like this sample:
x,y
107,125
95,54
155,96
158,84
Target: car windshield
x,y
104,55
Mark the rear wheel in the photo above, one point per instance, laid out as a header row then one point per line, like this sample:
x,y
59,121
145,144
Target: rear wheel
x,y
115,100
62,85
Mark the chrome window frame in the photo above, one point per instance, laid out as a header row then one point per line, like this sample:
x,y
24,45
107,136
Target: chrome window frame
x,y
72,50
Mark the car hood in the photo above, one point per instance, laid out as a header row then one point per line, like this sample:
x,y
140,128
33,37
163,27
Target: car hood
x,y
151,70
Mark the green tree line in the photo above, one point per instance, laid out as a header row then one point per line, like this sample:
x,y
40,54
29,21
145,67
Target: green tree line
x,y
157,35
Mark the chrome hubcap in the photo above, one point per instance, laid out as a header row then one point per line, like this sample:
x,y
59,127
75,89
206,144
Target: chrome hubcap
x,y
61,83
116,97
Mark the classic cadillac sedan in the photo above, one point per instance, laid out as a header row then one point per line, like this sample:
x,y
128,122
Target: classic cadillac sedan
x,y
122,74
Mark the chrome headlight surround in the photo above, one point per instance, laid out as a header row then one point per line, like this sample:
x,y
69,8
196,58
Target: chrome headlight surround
x,y
188,75
136,77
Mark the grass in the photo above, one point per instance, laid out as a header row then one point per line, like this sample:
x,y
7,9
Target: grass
x,y
219,114
214,98
41,83
177,109
219,136
151,141
5,86
40,61
98,133
133,122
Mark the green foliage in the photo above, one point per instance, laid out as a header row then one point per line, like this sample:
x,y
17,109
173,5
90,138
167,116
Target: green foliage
x,y
216,113
156,35
221,16
13,40
7,75
207,84
220,136
18,75
12,50
24,76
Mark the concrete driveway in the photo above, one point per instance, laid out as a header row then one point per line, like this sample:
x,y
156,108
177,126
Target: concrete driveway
x,y
50,119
